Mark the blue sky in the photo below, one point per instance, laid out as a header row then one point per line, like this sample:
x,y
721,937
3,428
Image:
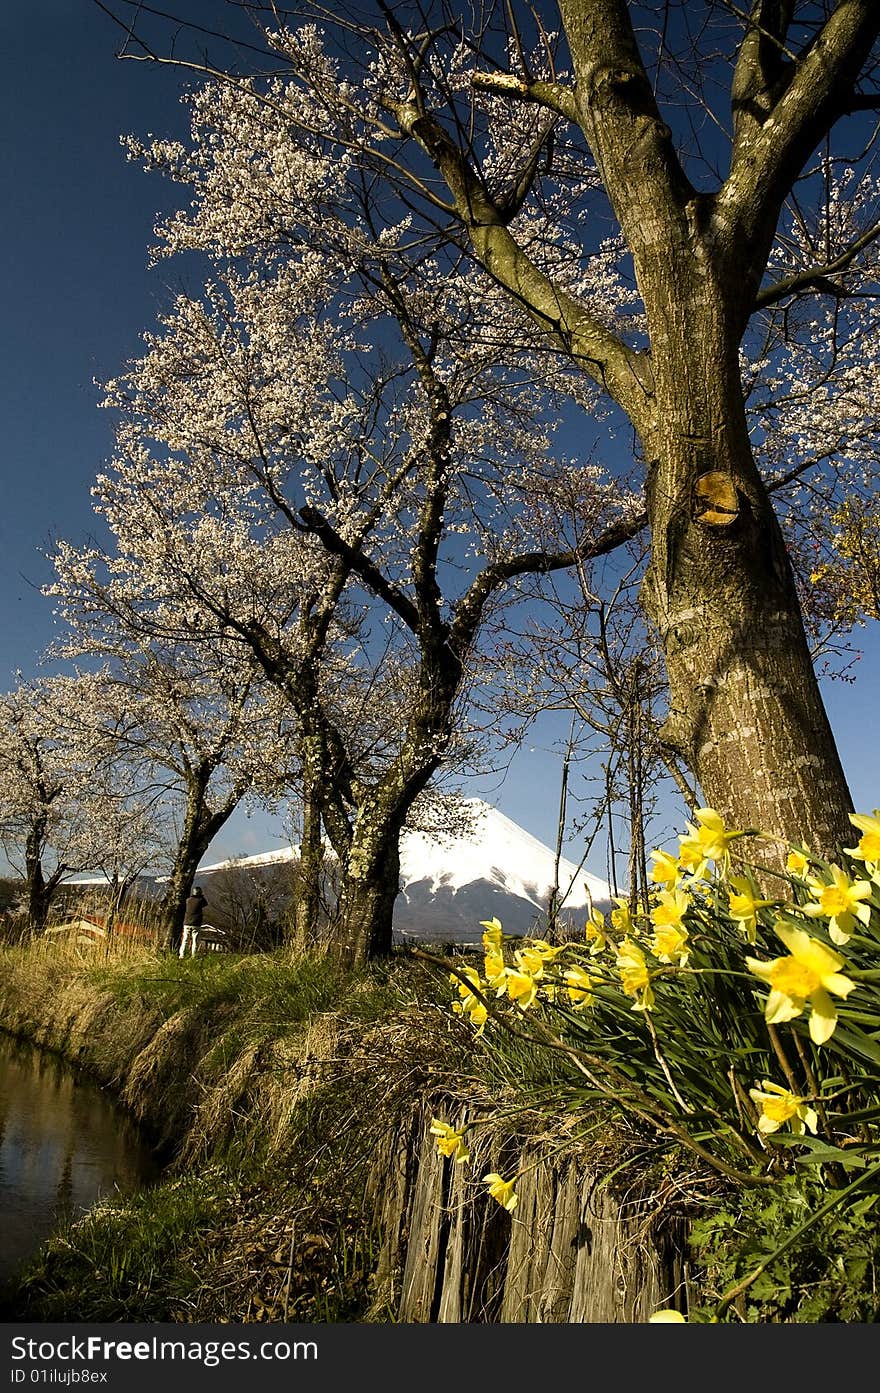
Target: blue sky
x,y
77,295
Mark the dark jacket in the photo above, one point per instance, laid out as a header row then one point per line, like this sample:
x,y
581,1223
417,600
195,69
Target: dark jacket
x,y
194,906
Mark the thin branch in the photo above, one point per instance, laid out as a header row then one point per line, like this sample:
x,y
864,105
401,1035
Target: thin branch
x,y
817,277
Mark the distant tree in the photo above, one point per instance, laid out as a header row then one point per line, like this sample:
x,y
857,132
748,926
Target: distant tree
x,y
581,648
190,710
43,773
120,831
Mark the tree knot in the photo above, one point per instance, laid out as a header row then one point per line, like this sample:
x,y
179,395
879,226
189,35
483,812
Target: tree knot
x,y
714,500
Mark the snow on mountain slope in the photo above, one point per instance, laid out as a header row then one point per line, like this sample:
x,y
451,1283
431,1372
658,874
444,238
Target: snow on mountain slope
x,y
498,850
452,880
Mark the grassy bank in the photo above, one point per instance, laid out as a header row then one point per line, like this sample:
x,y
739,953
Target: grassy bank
x,y
263,1081
291,1101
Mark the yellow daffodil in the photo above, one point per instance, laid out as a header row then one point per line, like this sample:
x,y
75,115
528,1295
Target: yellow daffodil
x,y
475,1011
670,945
634,974
807,975
470,1004
544,950
710,841
501,1190
670,908
665,870
797,863
621,917
449,1142
744,905
868,849
779,1106
522,987
670,942
841,902
691,859
530,960
493,937
473,979
595,932
579,986
713,836
496,972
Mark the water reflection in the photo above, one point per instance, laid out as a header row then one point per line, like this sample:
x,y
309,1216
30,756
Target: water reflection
x,y
63,1144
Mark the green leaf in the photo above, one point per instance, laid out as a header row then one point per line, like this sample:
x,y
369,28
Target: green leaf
x,y
857,1042
820,1150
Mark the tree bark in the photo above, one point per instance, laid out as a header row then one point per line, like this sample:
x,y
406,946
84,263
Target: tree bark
x,y
200,827
746,713
308,903
371,882
37,898
39,890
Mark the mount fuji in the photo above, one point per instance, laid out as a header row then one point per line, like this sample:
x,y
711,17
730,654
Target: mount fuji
x,y
450,880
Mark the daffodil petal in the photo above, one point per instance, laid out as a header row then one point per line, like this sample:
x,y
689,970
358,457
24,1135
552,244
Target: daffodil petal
x,y
823,1017
780,1007
837,983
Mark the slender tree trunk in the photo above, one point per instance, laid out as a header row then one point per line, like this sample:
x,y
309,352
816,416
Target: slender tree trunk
x,y
200,827
638,874
371,878
746,714
308,904
39,890
179,886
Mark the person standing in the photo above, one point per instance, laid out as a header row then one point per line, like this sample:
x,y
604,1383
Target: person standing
x,y
192,920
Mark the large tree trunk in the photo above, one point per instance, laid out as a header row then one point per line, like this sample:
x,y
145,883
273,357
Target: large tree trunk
x,y
745,712
38,899
371,881
180,882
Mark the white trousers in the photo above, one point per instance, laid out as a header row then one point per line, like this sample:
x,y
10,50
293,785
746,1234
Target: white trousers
x,y
189,940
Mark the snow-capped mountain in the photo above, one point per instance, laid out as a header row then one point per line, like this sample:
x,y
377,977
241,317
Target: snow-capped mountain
x,y
450,880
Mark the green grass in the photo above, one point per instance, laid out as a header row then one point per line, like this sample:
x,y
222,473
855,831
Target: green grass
x,y
139,1258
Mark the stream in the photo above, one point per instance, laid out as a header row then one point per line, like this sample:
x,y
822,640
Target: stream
x,y
63,1144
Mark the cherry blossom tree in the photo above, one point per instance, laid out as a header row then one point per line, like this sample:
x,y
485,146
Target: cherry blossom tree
x,y
48,756
189,712
683,208
230,491
341,416
122,830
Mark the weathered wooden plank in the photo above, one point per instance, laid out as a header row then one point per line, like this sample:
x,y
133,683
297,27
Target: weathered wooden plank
x,y
569,1252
